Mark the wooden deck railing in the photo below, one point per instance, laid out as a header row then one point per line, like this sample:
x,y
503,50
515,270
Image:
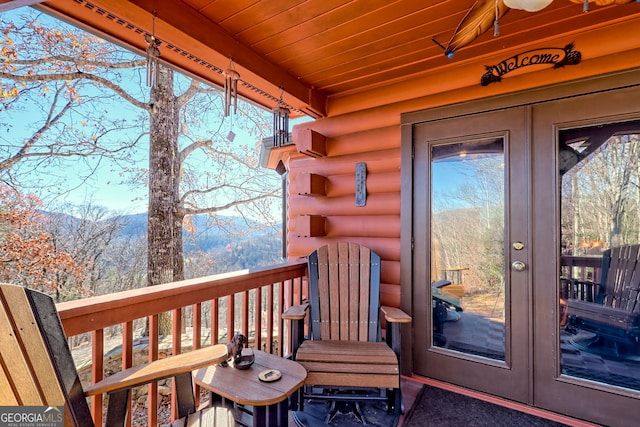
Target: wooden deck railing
x,y
252,301
579,270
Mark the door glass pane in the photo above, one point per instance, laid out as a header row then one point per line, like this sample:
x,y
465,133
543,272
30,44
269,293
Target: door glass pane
x,y
599,321
467,247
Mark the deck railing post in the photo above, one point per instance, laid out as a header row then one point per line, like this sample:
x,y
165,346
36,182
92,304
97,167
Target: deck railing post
x,y
257,317
97,359
244,326
231,316
152,397
127,355
270,301
215,322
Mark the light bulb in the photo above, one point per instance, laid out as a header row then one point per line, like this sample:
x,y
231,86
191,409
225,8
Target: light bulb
x,y
528,5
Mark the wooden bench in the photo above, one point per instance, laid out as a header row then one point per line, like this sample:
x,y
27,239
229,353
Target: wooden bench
x,y
614,316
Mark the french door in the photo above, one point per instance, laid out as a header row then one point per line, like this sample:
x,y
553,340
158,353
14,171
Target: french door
x,y
587,202
472,244
513,212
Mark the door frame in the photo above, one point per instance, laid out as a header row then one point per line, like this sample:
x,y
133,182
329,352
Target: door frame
x,y
545,377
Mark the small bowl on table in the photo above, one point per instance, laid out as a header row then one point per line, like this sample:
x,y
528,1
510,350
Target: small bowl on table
x,y
245,360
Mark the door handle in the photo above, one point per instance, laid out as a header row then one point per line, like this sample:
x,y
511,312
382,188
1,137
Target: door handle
x,y
518,266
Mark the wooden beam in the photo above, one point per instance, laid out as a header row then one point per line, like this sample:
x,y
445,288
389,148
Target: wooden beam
x,y
311,226
311,143
185,19
310,184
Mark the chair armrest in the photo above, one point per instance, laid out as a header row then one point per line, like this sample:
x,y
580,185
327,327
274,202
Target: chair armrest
x,y
603,315
160,369
440,283
395,315
296,312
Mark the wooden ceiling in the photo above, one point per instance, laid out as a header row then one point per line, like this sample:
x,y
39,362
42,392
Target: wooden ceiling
x,y
318,50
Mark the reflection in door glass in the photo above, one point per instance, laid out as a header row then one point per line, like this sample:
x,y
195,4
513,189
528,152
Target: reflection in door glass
x,y
599,300
467,247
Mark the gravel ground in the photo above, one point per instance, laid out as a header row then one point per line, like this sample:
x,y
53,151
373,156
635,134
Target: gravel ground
x,y
139,416
139,412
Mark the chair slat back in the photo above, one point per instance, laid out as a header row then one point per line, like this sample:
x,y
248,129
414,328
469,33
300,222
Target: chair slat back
x,y
622,286
28,368
344,293
37,367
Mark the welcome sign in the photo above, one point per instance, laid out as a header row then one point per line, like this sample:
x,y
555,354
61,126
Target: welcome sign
x,y
558,57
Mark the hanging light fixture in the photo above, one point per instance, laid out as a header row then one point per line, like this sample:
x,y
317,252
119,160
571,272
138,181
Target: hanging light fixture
x,y
280,123
585,3
231,77
476,21
153,53
496,22
528,5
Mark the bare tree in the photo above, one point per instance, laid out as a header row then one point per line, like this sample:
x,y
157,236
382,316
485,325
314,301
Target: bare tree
x,y
468,220
601,196
93,106
86,232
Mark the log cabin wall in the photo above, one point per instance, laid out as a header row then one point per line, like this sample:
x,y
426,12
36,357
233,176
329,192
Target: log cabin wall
x,y
367,128
333,208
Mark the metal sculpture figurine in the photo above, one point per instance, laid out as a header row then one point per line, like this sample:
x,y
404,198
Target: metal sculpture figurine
x,y
234,348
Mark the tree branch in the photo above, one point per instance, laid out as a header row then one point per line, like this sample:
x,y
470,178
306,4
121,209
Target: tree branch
x,y
77,75
193,89
24,150
212,209
81,62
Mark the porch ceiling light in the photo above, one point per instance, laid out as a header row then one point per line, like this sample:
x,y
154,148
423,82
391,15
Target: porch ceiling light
x,y
585,3
476,21
528,5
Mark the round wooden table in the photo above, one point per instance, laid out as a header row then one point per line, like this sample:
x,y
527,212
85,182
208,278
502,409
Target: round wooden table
x,y
266,402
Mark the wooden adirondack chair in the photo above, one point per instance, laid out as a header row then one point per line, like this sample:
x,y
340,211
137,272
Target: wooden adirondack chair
x,y
614,316
345,353
37,369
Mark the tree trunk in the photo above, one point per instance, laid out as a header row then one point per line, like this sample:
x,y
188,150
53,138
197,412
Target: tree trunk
x,y
162,237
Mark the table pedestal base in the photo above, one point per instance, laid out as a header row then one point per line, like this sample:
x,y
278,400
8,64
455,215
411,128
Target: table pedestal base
x,y
275,415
